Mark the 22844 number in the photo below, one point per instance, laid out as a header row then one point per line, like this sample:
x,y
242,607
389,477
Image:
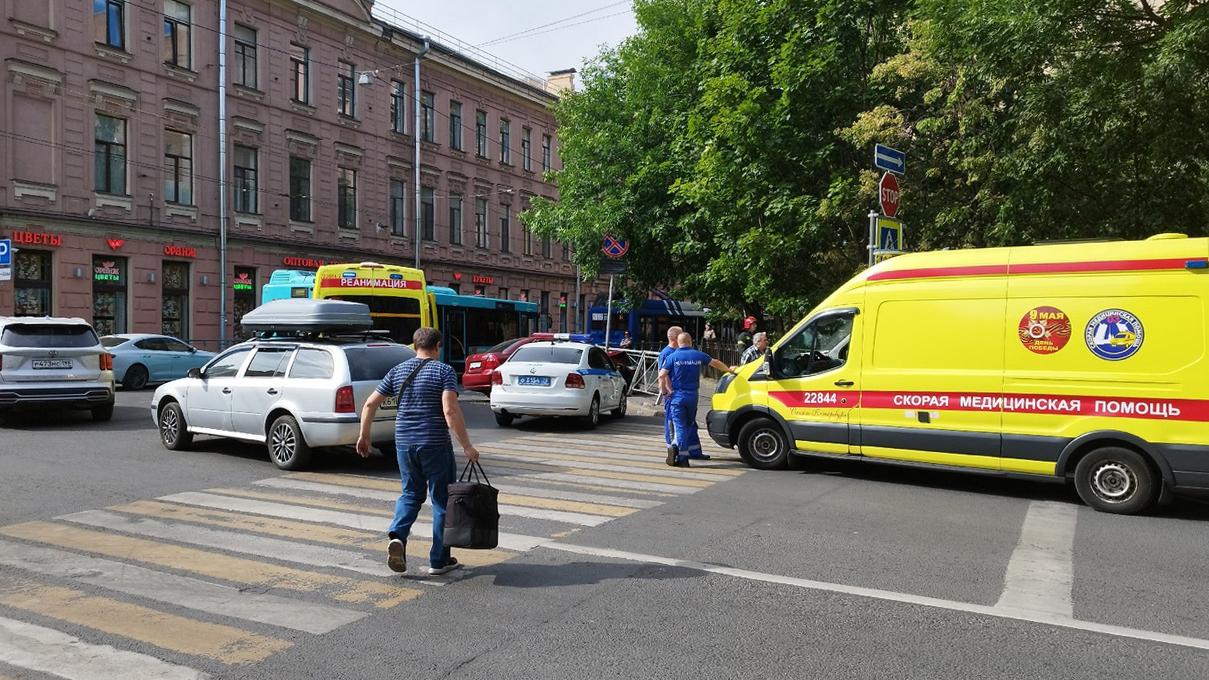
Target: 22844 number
x,y
820,398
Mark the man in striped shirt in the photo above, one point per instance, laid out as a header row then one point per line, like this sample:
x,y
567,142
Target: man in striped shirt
x,y
428,410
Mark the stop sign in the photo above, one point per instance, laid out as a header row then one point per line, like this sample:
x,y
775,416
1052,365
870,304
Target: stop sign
x,y
888,195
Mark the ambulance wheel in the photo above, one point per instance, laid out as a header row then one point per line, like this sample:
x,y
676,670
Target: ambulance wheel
x,y
1116,480
763,446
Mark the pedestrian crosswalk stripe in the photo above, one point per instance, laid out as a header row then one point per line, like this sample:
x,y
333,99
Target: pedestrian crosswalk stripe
x,y
184,591
219,642
339,484
591,470
608,482
45,650
578,485
235,541
272,526
212,564
573,455
508,541
586,463
551,492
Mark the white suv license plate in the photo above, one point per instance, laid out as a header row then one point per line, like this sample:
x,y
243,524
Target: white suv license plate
x,y
52,363
391,402
537,380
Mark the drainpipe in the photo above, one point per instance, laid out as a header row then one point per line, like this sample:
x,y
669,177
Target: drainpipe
x,y
416,160
222,174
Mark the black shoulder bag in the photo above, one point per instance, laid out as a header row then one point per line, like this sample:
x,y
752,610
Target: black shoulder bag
x,y
472,514
410,378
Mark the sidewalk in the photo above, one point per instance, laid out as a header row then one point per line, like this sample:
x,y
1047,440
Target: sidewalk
x,y
643,405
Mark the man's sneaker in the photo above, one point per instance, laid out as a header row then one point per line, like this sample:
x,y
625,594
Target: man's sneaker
x,y
449,566
396,555
672,453
681,462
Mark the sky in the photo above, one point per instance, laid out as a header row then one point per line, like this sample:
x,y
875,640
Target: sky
x,y
553,34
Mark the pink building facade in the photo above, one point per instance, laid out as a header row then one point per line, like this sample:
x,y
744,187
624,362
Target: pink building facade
x,y
109,149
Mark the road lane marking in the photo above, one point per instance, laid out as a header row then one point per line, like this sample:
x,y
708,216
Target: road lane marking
x,y
568,512
224,644
600,476
607,461
275,527
179,590
507,541
551,492
212,564
234,541
890,596
596,446
664,475
608,482
45,650
1040,574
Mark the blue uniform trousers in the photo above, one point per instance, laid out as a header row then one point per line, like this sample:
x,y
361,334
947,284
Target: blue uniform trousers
x,y
682,412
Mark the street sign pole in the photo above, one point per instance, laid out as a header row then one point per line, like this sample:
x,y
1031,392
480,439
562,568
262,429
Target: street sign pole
x,y
609,313
872,235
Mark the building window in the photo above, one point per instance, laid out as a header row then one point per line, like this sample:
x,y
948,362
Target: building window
x,y
528,240
108,294
456,287
455,125
178,32
178,167
243,286
428,117
346,90
480,223
32,283
246,194
398,107
503,293
543,312
480,133
524,295
109,158
546,153
505,237
455,219
300,189
566,252
175,317
346,198
300,73
398,208
245,56
527,149
505,142
562,313
428,213
109,22
546,246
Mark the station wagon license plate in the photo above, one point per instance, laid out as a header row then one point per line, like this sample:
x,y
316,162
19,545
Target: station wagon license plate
x,y
391,402
52,363
538,380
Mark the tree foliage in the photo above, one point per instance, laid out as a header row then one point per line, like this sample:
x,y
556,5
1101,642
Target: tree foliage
x,y
731,141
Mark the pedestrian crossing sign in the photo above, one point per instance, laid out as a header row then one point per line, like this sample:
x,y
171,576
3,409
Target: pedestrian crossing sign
x,y
889,238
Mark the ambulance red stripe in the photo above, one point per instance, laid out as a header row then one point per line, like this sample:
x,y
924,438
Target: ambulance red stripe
x,y
1032,268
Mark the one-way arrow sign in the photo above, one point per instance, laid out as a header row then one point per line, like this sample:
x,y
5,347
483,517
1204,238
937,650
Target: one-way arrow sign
x,y
890,160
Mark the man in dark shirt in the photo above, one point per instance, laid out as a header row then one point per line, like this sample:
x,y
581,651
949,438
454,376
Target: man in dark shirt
x,y
428,409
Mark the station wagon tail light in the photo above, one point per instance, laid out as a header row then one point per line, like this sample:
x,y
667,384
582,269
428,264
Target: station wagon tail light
x,y
106,361
344,400
575,381
497,378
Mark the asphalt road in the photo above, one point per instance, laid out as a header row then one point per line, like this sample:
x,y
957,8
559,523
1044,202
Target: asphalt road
x,y
615,566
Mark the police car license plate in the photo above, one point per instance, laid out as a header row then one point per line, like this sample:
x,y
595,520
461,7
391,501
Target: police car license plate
x,y
391,402
476,364
52,363
538,380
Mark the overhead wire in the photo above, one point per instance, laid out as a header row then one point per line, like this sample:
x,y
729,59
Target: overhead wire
x,y
552,23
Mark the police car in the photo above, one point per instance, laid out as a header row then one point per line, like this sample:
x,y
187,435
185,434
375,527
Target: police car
x,y
566,376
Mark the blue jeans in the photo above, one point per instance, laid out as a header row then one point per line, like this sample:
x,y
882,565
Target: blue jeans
x,y
682,412
420,465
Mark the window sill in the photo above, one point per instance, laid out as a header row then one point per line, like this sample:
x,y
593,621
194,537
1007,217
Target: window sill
x,y
31,31
50,192
457,153
348,121
249,220
302,227
506,164
112,53
249,92
180,210
348,233
104,200
302,107
401,134
429,145
180,72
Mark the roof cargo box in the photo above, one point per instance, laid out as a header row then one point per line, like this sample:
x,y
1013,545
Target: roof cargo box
x,y
300,314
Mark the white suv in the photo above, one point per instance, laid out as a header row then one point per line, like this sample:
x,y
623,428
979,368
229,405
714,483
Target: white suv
x,y
292,394
52,361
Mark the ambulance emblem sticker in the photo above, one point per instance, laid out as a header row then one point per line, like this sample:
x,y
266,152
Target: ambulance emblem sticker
x,y
1114,334
1044,330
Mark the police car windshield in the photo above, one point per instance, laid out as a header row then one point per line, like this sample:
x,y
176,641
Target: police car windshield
x,y
548,354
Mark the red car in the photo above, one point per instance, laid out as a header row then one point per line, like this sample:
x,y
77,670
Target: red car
x,y
481,366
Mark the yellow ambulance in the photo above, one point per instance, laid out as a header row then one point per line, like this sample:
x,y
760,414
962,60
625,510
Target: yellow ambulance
x,y
1083,362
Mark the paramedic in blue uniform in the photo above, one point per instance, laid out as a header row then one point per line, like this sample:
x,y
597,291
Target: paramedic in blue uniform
x,y
681,375
672,333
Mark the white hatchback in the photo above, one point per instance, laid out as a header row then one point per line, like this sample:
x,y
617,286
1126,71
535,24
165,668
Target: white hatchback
x,y
557,379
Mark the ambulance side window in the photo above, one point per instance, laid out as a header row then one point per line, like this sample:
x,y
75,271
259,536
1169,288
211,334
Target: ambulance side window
x,y
821,345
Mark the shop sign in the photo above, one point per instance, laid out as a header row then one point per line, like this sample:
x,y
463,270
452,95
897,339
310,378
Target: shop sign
x,y
180,251
243,283
482,278
302,262
115,243
107,271
37,238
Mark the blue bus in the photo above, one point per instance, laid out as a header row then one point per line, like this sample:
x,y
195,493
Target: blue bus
x,y
647,323
288,283
472,323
